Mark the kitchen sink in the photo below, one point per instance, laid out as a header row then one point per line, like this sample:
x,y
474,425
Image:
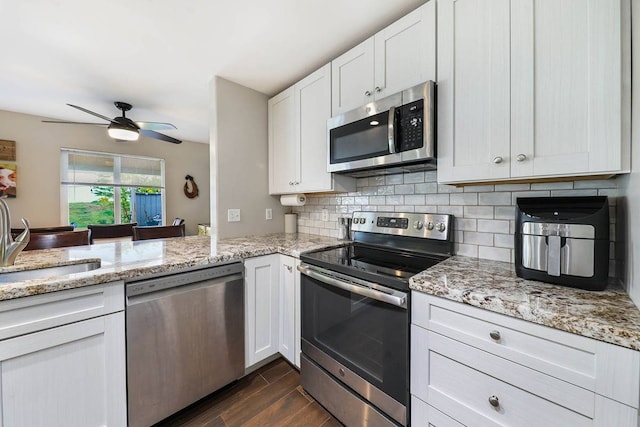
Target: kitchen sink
x,y
61,270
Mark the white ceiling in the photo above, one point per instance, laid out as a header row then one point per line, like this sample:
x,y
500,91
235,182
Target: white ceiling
x,y
160,55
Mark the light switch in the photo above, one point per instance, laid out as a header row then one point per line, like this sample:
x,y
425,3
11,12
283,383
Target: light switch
x,y
233,215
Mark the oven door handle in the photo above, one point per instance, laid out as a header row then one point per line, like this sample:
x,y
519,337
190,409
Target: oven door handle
x,y
386,295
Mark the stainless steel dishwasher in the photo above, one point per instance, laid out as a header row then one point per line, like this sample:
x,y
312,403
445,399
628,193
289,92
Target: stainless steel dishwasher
x,y
185,339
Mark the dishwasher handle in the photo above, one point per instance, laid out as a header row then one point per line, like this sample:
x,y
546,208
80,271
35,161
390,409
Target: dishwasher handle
x,y
152,285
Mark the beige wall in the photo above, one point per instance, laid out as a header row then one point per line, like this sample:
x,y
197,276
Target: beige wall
x,y
238,148
630,184
38,164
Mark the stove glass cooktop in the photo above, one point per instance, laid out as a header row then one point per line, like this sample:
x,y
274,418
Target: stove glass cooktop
x,y
385,266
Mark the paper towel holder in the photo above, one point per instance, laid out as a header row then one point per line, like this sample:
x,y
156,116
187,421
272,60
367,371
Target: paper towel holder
x,y
293,199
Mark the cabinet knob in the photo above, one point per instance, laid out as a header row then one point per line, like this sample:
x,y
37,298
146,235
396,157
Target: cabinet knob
x,y
367,93
341,372
521,157
495,335
497,160
378,89
494,401
290,182
289,268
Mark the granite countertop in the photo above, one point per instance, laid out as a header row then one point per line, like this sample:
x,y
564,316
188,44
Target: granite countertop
x,y
121,260
608,316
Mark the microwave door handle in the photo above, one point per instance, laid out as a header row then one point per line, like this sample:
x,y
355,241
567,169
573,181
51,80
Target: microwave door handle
x,y
391,134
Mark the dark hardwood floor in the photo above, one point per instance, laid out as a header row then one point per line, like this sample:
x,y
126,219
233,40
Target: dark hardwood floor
x,y
270,396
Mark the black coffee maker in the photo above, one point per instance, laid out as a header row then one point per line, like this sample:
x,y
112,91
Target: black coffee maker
x,y
563,240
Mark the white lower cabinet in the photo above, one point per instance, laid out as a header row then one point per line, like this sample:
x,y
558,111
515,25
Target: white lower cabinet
x,y
272,308
472,367
62,359
261,314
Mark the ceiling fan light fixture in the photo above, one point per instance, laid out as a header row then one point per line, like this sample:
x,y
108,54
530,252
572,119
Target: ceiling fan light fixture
x,y
122,133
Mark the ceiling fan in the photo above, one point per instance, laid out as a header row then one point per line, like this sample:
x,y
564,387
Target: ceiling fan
x,y
123,128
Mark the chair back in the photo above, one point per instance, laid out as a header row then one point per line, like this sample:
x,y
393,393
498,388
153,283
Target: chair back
x,y
61,239
160,232
178,221
38,230
109,231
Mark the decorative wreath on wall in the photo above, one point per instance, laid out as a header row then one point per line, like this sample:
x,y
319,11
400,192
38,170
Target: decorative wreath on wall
x,y
193,193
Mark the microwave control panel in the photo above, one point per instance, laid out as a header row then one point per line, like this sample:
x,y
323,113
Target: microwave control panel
x,y
411,127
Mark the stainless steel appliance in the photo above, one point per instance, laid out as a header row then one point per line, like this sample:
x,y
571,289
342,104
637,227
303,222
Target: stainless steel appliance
x,y
185,339
391,135
563,240
355,314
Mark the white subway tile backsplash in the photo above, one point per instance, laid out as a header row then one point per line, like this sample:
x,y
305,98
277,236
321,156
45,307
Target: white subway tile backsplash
x,y
493,226
477,238
426,188
413,177
404,189
414,199
463,199
437,199
394,179
456,211
484,214
496,254
394,200
478,212
494,199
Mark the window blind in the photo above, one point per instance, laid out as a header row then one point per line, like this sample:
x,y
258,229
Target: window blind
x,y
106,169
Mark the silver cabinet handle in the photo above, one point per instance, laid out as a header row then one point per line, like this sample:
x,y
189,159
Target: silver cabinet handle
x,y
497,160
495,335
521,157
289,268
494,401
367,93
290,182
378,89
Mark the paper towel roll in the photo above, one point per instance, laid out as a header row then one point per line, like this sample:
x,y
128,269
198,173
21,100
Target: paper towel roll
x,y
290,223
293,200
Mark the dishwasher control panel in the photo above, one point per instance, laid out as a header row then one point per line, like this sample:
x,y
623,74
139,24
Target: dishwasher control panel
x,y
175,280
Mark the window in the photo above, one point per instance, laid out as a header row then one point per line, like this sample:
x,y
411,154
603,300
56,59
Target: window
x,y
103,188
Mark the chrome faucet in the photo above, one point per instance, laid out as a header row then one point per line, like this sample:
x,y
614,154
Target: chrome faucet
x,y
9,249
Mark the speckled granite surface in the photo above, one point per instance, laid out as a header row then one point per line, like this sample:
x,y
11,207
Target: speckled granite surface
x,y
608,316
125,259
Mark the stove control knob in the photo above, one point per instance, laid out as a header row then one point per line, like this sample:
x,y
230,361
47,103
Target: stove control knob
x,y
440,227
429,225
418,225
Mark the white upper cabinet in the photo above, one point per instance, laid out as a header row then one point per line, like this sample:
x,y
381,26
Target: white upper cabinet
x,y
532,89
298,138
398,57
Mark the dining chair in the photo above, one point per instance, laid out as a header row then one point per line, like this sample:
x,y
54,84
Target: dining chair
x,y
110,231
57,240
160,232
178,221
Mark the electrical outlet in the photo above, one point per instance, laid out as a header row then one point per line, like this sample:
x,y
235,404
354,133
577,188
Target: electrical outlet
x,y
325,215
268,213
233,215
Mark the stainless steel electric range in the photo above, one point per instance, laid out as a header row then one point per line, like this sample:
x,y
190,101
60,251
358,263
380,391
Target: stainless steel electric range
x,y
355,314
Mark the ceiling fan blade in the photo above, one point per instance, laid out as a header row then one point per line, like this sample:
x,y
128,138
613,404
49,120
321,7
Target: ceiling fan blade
x,y
160,136
92,113
156,126
74,123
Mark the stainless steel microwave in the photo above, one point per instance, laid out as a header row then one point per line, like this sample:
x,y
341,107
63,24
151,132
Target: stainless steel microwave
x,y
393,134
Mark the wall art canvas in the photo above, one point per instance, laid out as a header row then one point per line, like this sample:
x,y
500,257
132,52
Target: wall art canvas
x,y
8,180
7,150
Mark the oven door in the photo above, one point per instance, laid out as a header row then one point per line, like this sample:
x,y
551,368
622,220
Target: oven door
x,y
357,332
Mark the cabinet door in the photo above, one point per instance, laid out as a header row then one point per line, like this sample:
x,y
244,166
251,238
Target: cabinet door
x,y
313,108
352,78
297,315
283,145
567,63
405,52
287,345
473,90
261,308
72,375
